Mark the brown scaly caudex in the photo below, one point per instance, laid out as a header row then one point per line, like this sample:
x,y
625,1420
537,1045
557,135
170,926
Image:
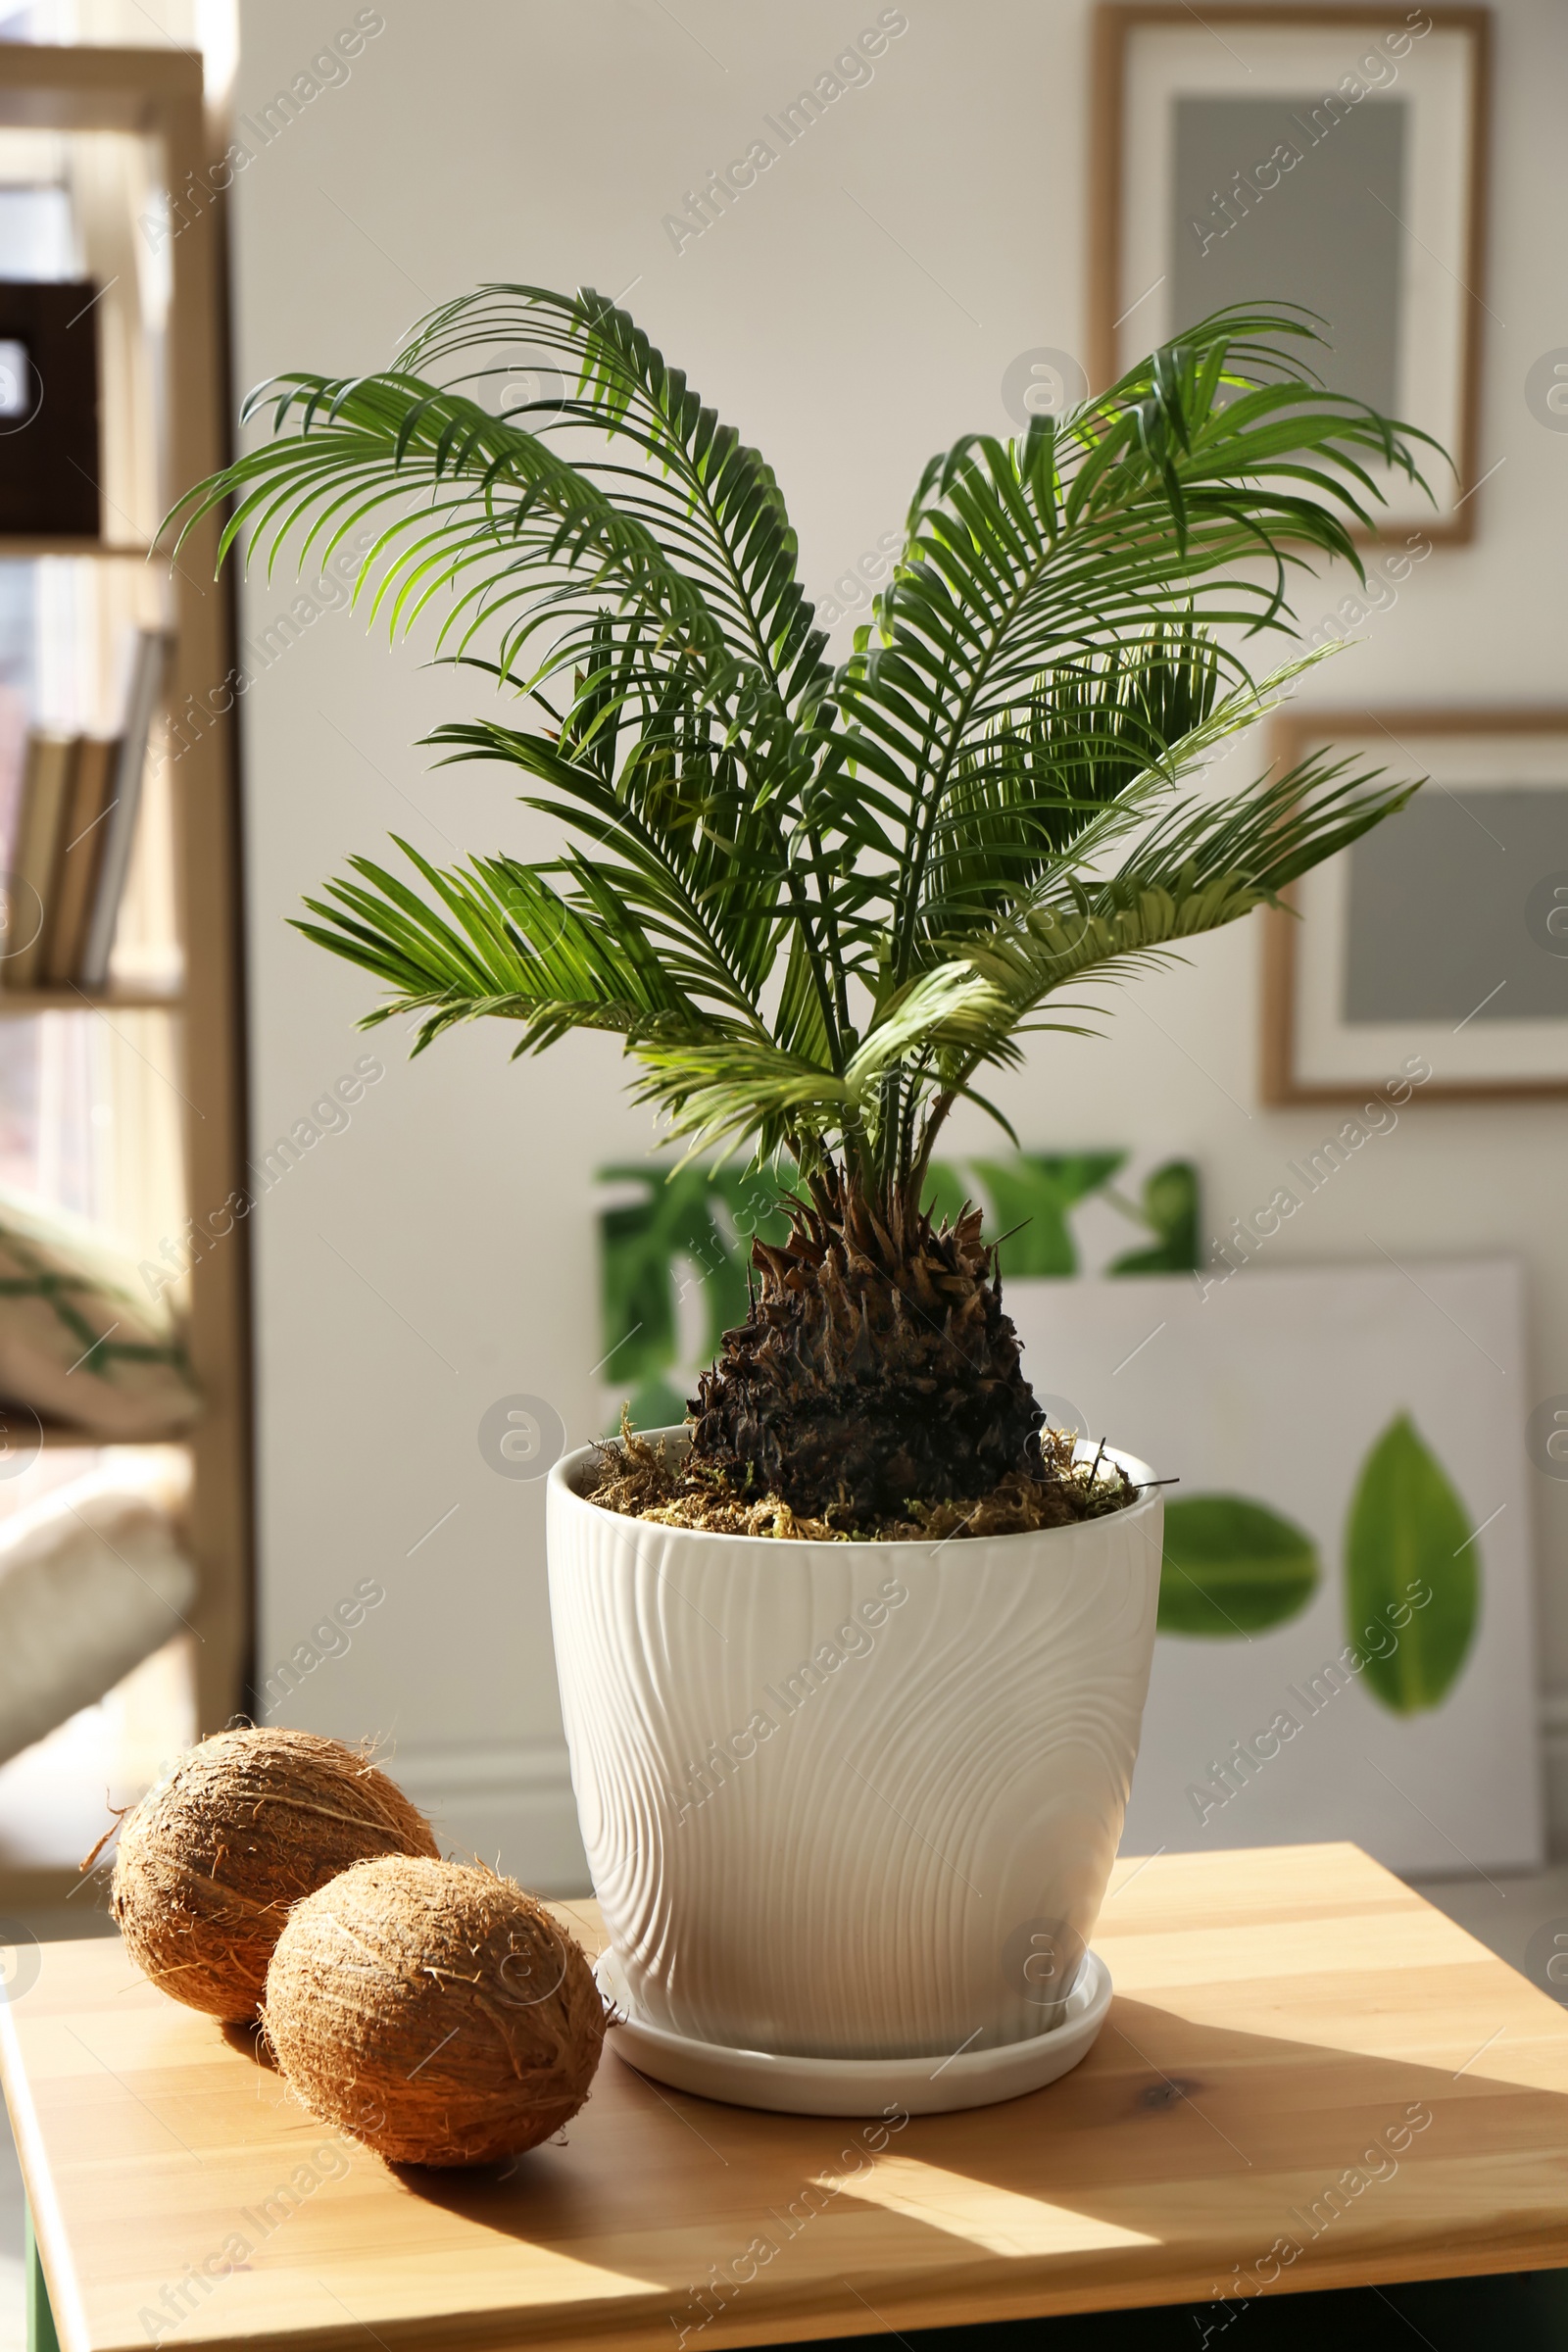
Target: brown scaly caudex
x,y
876,1366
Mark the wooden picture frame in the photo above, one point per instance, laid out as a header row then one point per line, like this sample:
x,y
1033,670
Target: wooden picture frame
x,y
1147,52
1311,1042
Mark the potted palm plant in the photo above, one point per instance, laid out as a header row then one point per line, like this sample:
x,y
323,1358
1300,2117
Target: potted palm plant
x,y
852,1667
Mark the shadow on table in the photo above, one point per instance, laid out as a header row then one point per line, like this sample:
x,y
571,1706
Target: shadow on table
x,y
1176,2153
251,2042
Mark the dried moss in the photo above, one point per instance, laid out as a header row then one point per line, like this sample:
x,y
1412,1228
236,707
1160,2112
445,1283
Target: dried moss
x,y
641,1480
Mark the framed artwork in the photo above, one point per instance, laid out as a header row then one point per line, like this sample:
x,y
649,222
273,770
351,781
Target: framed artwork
x,y
1333,156
1439,936
1347,1637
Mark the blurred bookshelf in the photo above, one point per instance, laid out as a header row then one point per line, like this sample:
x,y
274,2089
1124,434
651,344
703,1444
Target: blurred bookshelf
x,y
53,1436
119,129
20,545
127,996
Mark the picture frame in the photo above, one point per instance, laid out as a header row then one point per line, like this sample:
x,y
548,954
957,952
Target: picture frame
x,y
1299,1409
1407,945
1368,128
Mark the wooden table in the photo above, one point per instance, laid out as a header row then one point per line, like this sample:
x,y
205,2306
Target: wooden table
x,y
1309,2079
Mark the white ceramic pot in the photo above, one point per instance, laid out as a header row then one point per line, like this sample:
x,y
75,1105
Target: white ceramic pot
x,y
851,1800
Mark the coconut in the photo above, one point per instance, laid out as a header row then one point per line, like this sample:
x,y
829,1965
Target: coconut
x,y
433,2011
250,1821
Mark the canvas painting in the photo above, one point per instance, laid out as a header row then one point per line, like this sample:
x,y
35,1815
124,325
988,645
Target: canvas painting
x,y
1345,1601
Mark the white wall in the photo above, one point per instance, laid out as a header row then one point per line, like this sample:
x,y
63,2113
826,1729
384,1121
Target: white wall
x,y
856,310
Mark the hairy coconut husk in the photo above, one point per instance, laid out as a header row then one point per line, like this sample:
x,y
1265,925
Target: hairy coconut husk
x,y
641,1480
433,2011
250,1821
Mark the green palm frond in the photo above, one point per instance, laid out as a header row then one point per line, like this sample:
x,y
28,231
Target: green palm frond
x,y
1025,793
466,509
818,901
1188,876
502,941
1093,537
712,500
685,847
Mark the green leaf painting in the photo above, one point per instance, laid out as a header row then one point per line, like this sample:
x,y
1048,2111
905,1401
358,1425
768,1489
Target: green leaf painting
x,y
688,1229
1409,1536
1032,1193
1169,1209
1231,1567
946,1193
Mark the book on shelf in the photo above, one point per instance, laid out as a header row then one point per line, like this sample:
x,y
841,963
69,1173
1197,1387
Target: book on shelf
x,y
72,839
45,795
13,719
118,826
79,858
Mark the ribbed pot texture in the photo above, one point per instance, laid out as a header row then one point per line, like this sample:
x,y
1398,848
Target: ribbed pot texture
x,y
854,1800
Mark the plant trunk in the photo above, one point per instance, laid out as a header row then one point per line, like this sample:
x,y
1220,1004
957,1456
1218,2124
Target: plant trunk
x,y
875,1369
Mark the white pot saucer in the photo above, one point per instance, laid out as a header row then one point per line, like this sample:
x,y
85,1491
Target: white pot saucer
x,y
791,2086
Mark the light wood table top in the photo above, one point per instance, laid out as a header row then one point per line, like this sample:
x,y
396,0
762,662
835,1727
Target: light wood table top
x,y
1309,2077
